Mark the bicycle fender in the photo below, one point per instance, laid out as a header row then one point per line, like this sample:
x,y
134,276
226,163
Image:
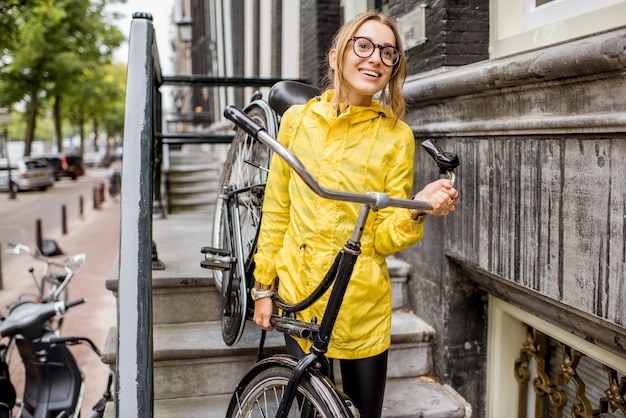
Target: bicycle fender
x,y
318,380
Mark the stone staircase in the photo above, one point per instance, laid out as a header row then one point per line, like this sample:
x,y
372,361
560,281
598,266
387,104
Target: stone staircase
x,y
193,178
195,372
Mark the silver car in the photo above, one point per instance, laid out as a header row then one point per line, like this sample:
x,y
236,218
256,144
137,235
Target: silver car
x,y
27,173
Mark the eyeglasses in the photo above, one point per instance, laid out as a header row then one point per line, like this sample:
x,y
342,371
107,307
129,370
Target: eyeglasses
x,y
364,48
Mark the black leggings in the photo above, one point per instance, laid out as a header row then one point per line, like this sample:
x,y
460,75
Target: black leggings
x,y
363,379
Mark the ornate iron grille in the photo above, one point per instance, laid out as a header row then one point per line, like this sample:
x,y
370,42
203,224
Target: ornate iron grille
x,y
556,380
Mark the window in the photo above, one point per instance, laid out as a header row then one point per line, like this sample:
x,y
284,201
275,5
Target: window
x,y
537,370
520,25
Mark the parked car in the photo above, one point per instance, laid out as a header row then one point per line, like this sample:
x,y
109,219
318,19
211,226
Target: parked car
x,y
92,159
96,159
56,164
27,173
71,165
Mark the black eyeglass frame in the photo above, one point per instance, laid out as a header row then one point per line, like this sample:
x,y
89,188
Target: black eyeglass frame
x,y
380,50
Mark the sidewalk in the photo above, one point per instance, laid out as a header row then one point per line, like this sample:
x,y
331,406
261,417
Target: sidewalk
x,y
96,235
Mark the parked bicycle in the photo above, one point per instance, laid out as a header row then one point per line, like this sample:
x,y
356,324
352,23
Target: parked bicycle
x,y
274,383
115,183
52,283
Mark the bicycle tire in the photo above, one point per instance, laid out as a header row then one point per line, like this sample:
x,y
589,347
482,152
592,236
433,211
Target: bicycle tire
x,y
262,394
243,177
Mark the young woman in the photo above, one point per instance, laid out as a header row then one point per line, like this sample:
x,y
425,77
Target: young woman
x,y
353,142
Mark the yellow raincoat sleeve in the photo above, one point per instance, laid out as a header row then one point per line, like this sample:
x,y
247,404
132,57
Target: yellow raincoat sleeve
x,y
395,229
276,206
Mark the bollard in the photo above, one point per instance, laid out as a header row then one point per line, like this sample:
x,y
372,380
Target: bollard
x,y
64,219
38,234
81,206
98,194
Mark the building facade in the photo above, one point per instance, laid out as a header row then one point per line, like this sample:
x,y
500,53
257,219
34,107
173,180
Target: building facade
x,y
525,282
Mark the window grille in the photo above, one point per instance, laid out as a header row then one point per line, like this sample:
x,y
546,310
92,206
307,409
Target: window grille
x,y
556,380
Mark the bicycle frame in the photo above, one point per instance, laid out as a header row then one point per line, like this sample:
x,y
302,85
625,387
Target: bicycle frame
x,y
342,269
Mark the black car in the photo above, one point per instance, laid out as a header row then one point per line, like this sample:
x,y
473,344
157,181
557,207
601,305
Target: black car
x,y
66,165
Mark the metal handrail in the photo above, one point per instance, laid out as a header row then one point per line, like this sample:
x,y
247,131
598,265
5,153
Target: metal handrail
x,y
144,158
134,368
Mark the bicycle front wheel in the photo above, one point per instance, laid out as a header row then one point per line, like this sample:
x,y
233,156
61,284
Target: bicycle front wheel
x,y
262,395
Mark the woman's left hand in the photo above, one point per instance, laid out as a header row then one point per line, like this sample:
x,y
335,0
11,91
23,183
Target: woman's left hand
x,y
441,196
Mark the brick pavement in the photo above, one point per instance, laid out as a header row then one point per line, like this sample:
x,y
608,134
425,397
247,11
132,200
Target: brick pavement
x,y
97,235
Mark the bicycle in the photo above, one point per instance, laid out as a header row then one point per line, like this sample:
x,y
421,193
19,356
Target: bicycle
x,y
52,286
274,383
115,184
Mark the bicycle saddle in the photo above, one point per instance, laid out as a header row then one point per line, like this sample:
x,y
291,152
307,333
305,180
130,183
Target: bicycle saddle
x,y
287,93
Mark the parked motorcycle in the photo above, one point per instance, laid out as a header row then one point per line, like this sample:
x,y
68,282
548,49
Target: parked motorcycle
x,y
54,383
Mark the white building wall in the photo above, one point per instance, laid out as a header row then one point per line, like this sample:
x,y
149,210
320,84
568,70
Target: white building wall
x,y
290,59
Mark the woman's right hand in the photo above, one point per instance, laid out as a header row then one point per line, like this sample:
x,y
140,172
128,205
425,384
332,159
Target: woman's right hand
x,y
263,309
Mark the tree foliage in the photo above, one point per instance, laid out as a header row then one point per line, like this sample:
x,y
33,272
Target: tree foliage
x,y
54,56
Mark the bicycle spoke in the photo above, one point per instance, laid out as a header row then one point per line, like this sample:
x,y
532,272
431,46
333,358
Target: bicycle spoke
x,y
261,397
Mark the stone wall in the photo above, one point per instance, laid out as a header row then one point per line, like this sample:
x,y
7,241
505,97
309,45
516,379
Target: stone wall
x,y
542,141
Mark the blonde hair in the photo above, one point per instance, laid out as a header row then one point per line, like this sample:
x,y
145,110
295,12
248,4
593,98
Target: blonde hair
x,y
391,95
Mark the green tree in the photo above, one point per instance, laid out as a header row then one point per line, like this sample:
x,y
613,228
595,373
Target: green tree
x,y
54,44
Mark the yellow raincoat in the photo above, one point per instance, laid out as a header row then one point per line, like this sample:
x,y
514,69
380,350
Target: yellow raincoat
x,y
359,149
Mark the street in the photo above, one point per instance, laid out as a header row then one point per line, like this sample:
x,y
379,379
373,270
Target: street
x,y
29,206
96,234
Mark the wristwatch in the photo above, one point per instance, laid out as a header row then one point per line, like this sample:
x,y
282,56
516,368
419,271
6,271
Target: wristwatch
x,y
260,291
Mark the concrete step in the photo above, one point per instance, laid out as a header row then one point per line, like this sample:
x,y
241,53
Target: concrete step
x,y
197,157
184,209
189,296
200,164
404,398
207,189
185,292
191,204
191,359
204,176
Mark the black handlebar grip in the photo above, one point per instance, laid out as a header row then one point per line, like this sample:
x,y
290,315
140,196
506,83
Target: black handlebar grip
x,y
242,121
446,161
74,303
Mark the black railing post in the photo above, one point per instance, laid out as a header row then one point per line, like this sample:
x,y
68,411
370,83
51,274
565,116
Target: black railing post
x,y
134,368
159,212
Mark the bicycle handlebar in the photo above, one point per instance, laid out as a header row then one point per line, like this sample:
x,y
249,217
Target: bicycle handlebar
x,y
376,200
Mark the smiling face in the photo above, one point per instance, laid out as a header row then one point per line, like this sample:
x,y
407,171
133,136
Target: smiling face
x,y
364,76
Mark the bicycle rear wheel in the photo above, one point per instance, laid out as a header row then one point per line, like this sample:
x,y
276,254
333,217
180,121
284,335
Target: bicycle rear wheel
x,y
262,395
238,217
